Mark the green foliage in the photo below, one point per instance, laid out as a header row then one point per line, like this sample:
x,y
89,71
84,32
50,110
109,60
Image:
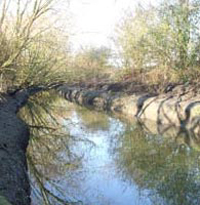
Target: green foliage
x,y
32,50
90,63
164,37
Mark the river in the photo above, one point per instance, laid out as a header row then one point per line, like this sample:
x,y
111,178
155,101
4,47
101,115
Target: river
x,y
101,160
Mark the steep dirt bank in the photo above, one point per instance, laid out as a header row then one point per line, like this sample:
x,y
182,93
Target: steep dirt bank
x,y
177,105
14,136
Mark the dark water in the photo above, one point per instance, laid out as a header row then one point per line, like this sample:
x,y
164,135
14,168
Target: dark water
x,y
104,161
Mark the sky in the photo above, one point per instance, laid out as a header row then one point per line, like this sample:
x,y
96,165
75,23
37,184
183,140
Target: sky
x,y
93,21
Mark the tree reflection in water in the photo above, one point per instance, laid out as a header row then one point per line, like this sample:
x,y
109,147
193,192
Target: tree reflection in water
x,y
168,165
92,120
51,155
165,164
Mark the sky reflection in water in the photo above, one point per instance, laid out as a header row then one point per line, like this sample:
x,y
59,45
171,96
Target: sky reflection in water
x,y
129,164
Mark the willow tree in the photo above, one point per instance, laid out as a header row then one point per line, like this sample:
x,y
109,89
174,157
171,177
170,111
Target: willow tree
x,y
32,59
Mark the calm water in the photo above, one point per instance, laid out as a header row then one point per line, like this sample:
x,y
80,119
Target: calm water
x,y
104,161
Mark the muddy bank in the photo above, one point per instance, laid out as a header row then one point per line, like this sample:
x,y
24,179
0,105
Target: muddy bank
x,y
14,136
177,105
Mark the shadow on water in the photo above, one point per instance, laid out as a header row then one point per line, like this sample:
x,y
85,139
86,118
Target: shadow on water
x,y
95,159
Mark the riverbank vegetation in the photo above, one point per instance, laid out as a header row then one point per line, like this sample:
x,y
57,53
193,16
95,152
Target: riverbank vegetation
x,y
33,59
160,44
91,65
33,51
156,45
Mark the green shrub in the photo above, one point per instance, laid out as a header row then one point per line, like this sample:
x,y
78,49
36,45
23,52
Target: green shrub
x,y
32,51
165,37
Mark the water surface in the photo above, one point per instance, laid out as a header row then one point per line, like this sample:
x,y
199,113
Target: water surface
x,y
122,163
